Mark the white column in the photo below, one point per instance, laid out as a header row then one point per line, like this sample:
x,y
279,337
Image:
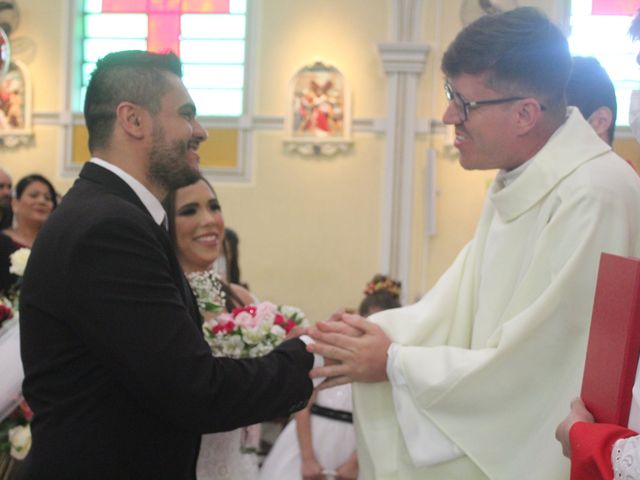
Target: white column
x,y
403,61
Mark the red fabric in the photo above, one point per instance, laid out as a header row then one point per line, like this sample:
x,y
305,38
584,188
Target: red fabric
x,y
591,446
614,7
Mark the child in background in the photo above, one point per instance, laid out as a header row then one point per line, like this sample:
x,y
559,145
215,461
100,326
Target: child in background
x,y
320,444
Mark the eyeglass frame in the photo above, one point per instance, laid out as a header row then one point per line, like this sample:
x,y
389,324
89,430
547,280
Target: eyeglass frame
x,y
467,106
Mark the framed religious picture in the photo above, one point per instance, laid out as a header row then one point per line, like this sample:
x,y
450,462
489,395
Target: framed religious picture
x,y
319,112
15,105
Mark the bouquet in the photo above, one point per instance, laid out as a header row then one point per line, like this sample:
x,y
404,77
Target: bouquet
x,y
251,331
207,288
15,432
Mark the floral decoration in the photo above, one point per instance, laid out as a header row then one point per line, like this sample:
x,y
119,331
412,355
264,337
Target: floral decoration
x,y
6,312
383,283
207,288
15,432
20,438
251,331
19,260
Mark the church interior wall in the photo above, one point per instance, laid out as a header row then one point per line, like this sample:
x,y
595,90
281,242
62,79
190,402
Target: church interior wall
x,y
311,228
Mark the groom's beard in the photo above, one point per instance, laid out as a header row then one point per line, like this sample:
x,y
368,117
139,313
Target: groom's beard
x,y
168,164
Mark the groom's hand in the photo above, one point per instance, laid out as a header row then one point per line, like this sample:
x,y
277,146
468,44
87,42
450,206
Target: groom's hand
x,y
359,346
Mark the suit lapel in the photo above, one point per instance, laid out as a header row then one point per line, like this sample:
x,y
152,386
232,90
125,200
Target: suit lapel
x,y
178,274
111,182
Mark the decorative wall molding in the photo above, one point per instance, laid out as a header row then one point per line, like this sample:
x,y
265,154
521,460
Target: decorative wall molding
x,y
258,122
403,57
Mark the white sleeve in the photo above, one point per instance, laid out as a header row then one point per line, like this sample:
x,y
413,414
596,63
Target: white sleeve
x,y
318,360
426,443
12,373
625,458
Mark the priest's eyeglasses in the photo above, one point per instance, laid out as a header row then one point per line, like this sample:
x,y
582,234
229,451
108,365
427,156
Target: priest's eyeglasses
x,y
464,106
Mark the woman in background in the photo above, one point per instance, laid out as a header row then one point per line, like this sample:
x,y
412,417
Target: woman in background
x,y
320,442
33,201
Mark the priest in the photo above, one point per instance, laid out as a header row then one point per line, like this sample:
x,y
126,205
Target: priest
x,y
471,381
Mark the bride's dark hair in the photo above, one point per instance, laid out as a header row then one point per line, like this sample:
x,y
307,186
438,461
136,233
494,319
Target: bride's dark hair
x,y
231,299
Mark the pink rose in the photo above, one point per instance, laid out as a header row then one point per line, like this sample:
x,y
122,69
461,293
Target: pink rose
x,y
265,312
246,320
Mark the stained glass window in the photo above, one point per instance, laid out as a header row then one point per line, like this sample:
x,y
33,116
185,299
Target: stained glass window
x,y
599,28
208,35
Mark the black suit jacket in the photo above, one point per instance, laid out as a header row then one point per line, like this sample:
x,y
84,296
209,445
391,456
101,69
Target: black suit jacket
x,y
117,371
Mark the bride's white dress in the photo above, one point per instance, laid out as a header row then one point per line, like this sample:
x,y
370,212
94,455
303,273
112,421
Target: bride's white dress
x,y
12,373
221,458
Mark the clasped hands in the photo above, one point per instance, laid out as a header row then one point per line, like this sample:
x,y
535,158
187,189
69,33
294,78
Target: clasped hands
x,y
354,350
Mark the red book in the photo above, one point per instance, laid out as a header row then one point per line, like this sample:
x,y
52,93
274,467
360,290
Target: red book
x,y
614,340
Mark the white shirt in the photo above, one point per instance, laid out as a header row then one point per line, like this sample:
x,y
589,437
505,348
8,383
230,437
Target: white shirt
x,y
148,199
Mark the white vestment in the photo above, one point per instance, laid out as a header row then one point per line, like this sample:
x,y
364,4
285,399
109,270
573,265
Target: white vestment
x,y
491,357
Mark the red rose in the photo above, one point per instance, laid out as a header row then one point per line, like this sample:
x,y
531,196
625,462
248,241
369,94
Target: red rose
x,y
5,313
250,309
290,325
224,327
27,413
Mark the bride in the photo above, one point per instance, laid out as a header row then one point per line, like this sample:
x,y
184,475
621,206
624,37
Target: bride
x,y
196,228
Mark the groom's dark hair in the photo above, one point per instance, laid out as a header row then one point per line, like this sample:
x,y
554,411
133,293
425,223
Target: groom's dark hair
x,y
129,76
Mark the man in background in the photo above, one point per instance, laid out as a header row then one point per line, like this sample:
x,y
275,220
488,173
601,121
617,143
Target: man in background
x,y
592,91
6,184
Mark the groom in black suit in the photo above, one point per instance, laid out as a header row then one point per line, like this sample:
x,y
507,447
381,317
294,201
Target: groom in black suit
x,y
118,374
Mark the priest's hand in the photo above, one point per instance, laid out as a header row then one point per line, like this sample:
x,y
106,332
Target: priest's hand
x,y
359,346
579,413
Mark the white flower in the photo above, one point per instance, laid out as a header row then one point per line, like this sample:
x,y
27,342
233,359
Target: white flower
x,y
251,336
207,288
293,313
232,347
19,261
265,327
260,349
20,439
278,331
